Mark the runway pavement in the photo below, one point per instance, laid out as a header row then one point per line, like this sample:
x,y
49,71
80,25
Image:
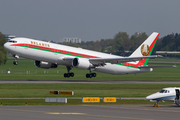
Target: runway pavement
x,y
90,112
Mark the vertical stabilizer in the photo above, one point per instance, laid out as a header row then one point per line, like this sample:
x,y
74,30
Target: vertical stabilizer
x,y
146,48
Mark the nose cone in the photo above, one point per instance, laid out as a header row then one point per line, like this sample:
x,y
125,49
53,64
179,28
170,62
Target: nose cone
x,y
5,46
148,97
153,96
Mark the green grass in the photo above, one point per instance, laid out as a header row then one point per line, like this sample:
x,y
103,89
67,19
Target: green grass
x,y
26,70
39,90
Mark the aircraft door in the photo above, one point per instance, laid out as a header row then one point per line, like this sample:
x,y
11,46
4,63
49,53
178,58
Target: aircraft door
x,y
177,97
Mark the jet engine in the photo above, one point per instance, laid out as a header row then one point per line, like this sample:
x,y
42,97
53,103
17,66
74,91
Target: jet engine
x,y
45,65
81,63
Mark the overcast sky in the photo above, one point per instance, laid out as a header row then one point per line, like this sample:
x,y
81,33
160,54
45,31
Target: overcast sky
x,y
87,19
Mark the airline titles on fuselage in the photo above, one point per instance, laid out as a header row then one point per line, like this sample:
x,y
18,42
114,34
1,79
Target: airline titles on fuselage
x,y
40,44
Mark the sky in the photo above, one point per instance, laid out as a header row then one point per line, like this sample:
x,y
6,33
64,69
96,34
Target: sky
x,y
89,20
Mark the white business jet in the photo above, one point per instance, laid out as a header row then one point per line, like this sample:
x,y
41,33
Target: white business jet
x,y
166,94
49,55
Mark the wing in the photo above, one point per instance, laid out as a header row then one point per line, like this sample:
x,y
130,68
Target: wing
x,y
102,61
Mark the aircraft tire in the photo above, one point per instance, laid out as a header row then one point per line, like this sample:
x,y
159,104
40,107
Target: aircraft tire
x,y
90,75
15,62
93,74
65,75
71,74
87,75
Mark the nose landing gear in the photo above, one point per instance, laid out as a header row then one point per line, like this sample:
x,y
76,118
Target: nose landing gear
x,y
15,59
156,104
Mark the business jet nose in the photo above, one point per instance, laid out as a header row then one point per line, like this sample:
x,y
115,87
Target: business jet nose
x,y
150,97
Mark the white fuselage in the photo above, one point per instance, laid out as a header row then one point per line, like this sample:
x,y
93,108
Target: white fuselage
x,y
166,94
55,53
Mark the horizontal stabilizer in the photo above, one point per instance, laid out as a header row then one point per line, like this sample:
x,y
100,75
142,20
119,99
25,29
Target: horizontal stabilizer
x,y
157,66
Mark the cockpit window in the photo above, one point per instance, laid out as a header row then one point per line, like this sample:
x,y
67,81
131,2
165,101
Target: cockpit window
x,y
12,41
161,91
164,91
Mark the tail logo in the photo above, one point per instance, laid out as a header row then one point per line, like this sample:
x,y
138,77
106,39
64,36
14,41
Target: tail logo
x,y
144,49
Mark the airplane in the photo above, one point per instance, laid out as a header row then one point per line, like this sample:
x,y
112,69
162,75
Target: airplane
x,y
49,55
166,94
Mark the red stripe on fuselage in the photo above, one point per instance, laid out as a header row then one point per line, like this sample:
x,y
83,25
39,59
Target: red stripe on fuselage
x,y
54,50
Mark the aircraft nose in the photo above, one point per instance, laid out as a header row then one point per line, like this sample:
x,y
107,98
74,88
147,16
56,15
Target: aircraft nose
x,y
150,97
6,46
147,98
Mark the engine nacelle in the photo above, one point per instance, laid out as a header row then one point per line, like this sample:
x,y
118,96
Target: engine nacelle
x,y
81,63
45,65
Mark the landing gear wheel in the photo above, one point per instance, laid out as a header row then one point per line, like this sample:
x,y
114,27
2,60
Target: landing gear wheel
x,y
94,74
15,62
66,75
87,75
91,75
71,74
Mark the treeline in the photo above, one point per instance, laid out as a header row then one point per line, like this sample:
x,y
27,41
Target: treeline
x,y
3,53
123,44
170,42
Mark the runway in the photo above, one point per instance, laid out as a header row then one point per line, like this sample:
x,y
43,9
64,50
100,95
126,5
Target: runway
x,y
90,112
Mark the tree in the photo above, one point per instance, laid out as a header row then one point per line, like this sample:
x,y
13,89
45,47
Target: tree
x,y
3,53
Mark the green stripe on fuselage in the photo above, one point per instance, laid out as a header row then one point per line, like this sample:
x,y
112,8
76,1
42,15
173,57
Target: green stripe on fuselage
x,y
71,55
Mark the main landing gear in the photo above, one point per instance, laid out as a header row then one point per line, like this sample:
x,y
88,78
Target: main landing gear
x,y
69,74
91,74
15,59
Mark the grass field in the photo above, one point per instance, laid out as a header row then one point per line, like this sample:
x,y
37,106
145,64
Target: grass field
x,y
39,90
26,70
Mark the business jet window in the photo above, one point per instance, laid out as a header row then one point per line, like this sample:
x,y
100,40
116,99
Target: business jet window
x,y
12,41
162,91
